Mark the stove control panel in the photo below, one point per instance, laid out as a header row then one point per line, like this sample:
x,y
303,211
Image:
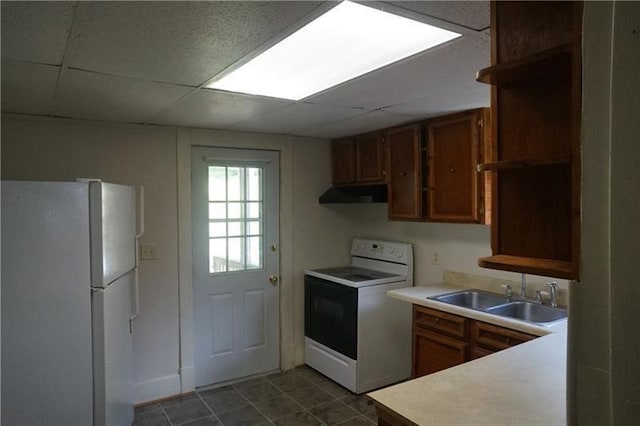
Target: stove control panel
x,y
382,250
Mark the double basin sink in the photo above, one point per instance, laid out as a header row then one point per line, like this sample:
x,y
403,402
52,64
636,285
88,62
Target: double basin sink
x,y
496,304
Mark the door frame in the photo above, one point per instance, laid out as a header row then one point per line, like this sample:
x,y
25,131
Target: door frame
x,y
187,138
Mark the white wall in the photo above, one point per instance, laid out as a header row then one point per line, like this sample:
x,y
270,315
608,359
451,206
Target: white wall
x,y
43,149
604,346
58,149
322,236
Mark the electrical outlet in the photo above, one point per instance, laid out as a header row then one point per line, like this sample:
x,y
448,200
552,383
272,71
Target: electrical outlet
x,y
148,251
435,260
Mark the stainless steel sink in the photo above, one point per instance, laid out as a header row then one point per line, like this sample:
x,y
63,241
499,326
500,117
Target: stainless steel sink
x,y
531,312
497,304
472,299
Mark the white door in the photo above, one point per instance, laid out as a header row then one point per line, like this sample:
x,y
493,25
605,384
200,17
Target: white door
x,y
235,220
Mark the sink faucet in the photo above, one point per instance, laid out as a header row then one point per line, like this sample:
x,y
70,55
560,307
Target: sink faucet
x,y
553,287
523,288
507,292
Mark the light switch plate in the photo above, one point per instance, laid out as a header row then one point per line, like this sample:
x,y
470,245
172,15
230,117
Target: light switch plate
x,y
148,251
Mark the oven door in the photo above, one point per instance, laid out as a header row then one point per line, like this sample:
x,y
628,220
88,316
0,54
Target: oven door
x,y
331,315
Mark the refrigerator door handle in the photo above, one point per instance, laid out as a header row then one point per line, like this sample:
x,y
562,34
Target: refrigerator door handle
x,y
140,211
135,296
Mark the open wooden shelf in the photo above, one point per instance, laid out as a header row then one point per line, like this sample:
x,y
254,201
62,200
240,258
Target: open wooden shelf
x,y
529,265
552,62
522,163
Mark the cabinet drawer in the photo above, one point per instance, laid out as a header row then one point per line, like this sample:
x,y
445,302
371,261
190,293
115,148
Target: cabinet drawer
x,y
496,338
477,352
431,319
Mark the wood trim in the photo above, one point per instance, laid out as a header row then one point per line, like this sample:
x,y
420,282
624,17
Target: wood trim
x,y
160,400
522,163
538,63
528,265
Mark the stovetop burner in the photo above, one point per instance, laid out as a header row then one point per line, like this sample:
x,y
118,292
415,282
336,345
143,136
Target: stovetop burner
x,y
354,274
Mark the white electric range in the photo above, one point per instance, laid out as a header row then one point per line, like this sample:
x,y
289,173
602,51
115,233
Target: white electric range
x,y
354,334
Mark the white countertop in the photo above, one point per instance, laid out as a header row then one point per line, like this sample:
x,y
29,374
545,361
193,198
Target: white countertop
x,y
525,384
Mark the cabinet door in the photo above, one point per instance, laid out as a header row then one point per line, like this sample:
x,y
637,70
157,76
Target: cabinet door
x,y
454,149
369,158
434,352
404,172
343,161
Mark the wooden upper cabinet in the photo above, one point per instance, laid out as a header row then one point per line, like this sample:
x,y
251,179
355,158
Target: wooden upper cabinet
x,y
358,159
404,172
536,112
455,146
369,158
343,169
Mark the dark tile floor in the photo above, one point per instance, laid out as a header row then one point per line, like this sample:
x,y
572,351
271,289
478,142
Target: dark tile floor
x,y
297,397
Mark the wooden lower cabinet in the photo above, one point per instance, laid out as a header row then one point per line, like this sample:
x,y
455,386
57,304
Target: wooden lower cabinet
x,y
387,417
442,340
435,352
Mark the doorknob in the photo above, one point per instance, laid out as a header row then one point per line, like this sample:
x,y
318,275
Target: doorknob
x,y
273,279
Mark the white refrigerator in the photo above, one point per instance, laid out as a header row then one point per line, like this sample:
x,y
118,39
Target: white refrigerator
x,y
69,295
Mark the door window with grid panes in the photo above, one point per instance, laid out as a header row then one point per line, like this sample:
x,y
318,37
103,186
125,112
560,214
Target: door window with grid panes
x,y
236,221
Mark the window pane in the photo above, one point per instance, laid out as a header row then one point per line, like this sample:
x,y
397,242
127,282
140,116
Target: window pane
x,y
217,183
253,228
235,184
217,255
254,184
253,210
235,229
217,210
254,252
236,258
217,229
236,210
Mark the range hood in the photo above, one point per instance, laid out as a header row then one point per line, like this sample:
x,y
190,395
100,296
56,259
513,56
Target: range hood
x,y
355,194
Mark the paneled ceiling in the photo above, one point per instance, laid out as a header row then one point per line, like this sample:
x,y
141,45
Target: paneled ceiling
x,y
148,62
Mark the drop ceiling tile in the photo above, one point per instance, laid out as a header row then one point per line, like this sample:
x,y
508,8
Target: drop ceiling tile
x,y
36,31
211,109
452,99
28,88
470,14
177,42
103,97
451,65
369,121
295,118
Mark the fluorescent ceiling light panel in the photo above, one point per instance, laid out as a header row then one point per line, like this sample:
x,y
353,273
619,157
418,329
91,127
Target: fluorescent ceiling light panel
x,y
347,41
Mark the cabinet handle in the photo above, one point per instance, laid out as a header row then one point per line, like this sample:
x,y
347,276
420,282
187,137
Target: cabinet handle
x,y
508,340
437,320
402,173
451,169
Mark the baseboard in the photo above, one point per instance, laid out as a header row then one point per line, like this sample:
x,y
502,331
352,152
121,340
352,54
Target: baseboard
x,y
155,389
188,375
